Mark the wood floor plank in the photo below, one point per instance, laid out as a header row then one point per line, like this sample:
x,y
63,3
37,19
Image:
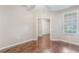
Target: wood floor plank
x,y
42,44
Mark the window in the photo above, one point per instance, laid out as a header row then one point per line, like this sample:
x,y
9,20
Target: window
x,y
70,23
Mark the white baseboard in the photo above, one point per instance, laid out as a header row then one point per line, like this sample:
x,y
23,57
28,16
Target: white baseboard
x,y
55,39
17,43
43,34
72,42
68,41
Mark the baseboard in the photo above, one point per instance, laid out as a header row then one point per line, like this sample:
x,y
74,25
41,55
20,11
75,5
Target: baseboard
x,y
72,42
55,39
15,44
44,34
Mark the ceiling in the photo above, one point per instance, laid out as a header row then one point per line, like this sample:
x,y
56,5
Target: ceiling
x,y
58,7
49,7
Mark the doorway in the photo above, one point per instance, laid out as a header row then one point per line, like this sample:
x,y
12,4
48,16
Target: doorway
x,y
43,33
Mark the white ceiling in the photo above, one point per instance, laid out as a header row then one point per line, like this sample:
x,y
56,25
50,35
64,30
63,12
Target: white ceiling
x,y
49,7
57,7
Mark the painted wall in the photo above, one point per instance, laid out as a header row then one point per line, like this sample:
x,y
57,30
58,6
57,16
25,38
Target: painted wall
x,y
72,38
40,13
43,27
56,25
57,28
16,25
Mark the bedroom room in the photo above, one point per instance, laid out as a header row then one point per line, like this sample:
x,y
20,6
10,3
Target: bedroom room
x,y
39,29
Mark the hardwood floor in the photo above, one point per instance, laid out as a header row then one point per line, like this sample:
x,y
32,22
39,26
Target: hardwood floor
x,y
43,44
22,48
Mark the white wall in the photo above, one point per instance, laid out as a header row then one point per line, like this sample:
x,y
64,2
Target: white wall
x,y
43,27
40,13
46,26
72,38
56,25
16,25
57,28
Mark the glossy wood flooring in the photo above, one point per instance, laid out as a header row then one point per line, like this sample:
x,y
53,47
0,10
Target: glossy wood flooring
x,y
43,44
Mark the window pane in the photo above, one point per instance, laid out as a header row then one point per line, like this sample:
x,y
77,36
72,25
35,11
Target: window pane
x,y
70,21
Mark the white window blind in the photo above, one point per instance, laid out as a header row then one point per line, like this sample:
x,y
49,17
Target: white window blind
x,y
70,23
